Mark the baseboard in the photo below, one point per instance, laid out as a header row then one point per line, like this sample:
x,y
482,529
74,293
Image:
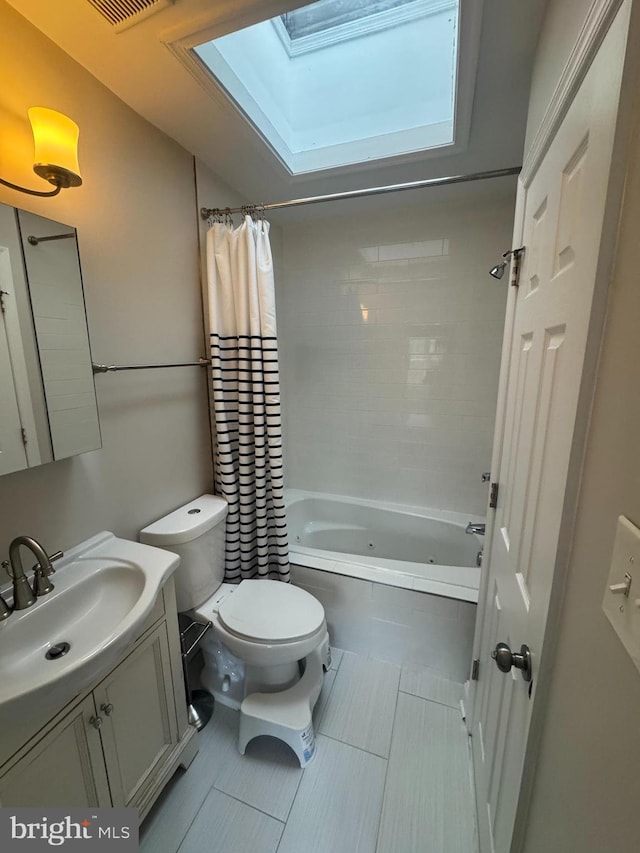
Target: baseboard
x,y
181,755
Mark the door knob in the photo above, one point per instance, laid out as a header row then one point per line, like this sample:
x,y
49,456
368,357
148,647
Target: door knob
x,y
505,659
96,722
107,708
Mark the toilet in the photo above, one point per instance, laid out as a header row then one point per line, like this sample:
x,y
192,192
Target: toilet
x,y
269,647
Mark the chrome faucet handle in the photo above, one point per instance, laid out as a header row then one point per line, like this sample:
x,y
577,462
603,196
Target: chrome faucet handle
x,y
41,583
53,557
23,596
49,570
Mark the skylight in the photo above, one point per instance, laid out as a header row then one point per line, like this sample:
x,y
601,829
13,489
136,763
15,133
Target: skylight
x,y
344,81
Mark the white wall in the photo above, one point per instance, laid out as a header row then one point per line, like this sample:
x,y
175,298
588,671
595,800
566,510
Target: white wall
x,y
390,332
137,233
586,789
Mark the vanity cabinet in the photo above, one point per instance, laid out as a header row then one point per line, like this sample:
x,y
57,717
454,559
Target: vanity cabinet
x,y
65,768
137,708
120,742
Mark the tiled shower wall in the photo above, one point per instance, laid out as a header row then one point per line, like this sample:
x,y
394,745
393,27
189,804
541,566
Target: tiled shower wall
x,y
390,333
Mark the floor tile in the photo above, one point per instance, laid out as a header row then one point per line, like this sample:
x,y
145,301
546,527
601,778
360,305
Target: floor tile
x,y
225,825
361,706
266,777
428,804
428,684
171,816
173,812
323,698
338,803
336,657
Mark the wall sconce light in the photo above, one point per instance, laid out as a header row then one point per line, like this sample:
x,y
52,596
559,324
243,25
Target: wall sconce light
x,y
56,151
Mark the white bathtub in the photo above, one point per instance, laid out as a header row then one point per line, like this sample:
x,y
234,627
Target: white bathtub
x,y
423,550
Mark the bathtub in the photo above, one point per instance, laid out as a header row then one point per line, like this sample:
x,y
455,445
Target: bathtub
x,y
423,550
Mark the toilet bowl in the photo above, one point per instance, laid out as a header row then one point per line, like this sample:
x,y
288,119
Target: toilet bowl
x,y
268,637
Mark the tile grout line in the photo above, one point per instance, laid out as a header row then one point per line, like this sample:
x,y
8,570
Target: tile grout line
x,y
428,699
386,770
248,805
475,840
352,746
303,770
340,663
316,728
193,819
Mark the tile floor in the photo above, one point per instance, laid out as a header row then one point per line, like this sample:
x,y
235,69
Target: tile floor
x,y
391,775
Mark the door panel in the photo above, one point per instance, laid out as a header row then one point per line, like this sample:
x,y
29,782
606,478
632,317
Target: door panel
x,y
64,769
139,721
562,216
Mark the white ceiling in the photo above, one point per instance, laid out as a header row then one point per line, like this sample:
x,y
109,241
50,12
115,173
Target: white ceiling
x,y
137,65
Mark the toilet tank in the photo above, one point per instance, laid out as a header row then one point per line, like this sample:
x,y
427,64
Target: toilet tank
x,y
196,532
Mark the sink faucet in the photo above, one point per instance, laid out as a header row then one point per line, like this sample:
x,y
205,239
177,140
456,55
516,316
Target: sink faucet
x,y
23,595
475,528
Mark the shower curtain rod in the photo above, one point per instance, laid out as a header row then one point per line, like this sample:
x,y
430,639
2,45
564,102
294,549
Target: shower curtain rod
x,y
206,212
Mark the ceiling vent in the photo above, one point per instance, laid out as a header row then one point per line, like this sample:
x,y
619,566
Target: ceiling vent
x,y
123,14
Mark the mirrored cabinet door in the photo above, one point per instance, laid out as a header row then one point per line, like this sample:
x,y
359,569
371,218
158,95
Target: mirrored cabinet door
x,y
47,392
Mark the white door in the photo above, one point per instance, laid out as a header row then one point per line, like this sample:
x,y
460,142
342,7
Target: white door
x,y
562,215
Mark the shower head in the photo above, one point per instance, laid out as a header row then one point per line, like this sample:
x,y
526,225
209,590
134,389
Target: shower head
x,y
498,270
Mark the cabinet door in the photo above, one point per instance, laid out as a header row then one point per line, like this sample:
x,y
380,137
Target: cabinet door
x,y
64,769
137,705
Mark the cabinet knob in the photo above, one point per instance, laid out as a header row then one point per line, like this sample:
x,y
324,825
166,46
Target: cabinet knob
x,y
107,709
96,722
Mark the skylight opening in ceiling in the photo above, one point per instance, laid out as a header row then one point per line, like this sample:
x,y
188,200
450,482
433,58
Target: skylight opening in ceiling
x,y
344,81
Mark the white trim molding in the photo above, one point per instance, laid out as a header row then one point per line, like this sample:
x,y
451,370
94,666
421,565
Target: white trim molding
x,y
361,26
426,141
596,25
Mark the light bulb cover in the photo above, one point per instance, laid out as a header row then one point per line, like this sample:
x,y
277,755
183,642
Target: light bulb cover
x,y
55,139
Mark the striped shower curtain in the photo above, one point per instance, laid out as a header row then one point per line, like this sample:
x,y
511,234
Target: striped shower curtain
x,y
246,399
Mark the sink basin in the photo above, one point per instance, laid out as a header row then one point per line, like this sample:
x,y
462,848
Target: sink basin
x,y
104,590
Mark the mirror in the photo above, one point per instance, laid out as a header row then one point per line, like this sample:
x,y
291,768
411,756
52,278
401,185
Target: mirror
x,y
48,407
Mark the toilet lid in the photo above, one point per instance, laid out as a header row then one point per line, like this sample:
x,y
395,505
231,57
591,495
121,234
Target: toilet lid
x,y
271,611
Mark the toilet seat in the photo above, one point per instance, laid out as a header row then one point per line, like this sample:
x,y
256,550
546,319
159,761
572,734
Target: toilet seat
x,y
272,612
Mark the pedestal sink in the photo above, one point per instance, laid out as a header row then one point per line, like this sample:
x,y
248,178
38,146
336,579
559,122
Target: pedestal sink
x,y
104,590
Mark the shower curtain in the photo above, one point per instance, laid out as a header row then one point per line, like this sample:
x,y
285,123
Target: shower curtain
x,y
246,399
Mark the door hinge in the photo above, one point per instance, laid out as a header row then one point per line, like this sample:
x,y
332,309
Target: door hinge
x,y
475,669
493,495
25,440
3,293
516,265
